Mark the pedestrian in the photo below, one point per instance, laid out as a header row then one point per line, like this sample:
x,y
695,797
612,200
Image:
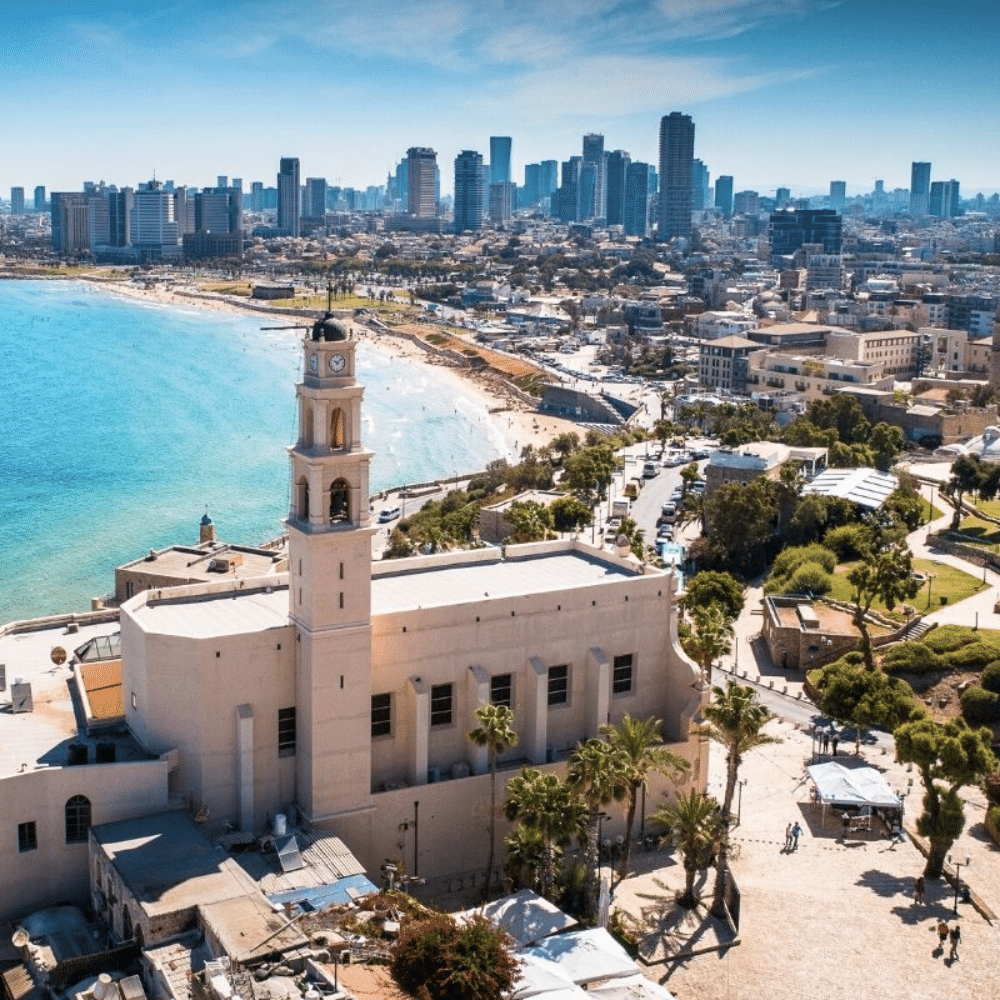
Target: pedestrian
x,y
918,890
942,929
796,833
826,742
956,938
835,741
788,837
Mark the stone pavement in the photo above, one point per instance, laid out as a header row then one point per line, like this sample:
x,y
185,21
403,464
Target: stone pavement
x,y
835,916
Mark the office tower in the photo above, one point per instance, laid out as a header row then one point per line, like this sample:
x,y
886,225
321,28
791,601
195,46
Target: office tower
x,y
549,177
593,192
222,181
70,222
421,181
183,210
566,198
500,159
920,187
532,190
469,183
237,183
153,224
40,198
782,197
724,194
790,230
676,159
746,203
699,186
617,170
257,196
943,200
218,210
288,195
838,195
100,222
314,204
17,201
635,210
501,201
120,217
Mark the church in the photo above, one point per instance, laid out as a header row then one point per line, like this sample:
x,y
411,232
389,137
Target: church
x,y
340,694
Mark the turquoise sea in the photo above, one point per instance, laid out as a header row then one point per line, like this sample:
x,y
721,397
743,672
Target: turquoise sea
x,y
121,422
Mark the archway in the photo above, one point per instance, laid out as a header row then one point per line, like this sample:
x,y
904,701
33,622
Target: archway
x,y
340,493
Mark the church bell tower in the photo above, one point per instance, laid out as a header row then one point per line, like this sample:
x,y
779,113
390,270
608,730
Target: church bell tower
x,y
329,543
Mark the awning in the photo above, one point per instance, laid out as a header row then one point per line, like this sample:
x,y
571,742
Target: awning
x,y
837,785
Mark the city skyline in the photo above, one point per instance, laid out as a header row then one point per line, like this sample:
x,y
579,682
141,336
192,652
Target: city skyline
x,y
783,92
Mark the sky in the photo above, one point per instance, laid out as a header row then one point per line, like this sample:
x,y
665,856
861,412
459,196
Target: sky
x,y
782,92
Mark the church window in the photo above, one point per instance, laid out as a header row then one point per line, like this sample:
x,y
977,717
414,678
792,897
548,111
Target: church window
x,y
302,500
286,732
621,677
500,690
559,684
337,428
77,819
381,715
441,705
27,837
339,508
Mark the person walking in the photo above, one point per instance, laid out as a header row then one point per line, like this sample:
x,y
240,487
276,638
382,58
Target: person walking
x,y
826,742
956,938
835,741
788,837
918,890
942,929
796,833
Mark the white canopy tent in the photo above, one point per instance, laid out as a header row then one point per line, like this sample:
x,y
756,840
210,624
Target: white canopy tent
x,y
837,785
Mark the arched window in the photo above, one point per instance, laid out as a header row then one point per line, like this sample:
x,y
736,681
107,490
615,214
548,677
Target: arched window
x,y
126,924
302,500
337,428
77,819
339,506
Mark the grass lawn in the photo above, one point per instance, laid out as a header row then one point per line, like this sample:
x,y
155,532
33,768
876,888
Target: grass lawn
x,y
936,512
976,531
991,507
947,581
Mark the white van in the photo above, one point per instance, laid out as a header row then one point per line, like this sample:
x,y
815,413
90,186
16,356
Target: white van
x,y
387,514
649,470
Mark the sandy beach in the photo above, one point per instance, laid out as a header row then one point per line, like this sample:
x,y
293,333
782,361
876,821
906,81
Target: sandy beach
x,y
518,424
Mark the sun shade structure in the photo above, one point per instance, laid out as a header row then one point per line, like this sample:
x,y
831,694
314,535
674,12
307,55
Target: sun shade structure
x,y
525,916
837,785
868,488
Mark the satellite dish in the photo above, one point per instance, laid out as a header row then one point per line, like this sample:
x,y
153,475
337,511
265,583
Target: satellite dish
x,y
58,655
20,938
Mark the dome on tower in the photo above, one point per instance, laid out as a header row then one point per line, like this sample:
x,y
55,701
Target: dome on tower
x,y
329,328
206,519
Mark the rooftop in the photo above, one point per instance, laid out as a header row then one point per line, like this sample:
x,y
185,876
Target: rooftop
x,y
212,561
865,487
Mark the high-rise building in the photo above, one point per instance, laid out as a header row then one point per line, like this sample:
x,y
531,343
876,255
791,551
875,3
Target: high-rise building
x,y
288,195
943,201
421,182
315,201
218,210
617,171
120,217
40,198
792,229
500,146
222,181
724,194
17,201
635,210
153,225
593,193
676,160
566,198
469,195
920,188
746,203
532,189
70,222
782,197
501,201
838,195
257,196
548,177
699,186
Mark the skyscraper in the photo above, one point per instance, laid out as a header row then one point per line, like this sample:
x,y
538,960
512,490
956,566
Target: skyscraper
x,y
288,195
790,230
17,201
469,183
920,189
532,189
838,195
676,160
593,194
500,159
421,182
724,194
40,198
315,201
943,201
635,216
699,186
257,196
617,169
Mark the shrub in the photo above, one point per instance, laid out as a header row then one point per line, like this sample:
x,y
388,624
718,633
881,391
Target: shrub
x,y
972,655
910,658
791,558
991,788
854,658
979,706
990,680
849,541
810,576
993,822
949,637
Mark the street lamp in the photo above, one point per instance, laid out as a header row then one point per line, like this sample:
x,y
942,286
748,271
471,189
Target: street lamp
x,y
958,865
930,585
739,800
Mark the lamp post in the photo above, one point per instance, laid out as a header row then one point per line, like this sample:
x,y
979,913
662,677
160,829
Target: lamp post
x,y
958,881
930,585
739,800
930,506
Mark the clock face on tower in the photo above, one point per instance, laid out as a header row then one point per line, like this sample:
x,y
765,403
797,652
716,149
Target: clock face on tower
x,y
337,362
314,363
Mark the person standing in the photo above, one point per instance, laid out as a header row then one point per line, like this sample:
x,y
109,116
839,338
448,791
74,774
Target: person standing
x,y
942,929
956,938
788,837
796,833
835,741
918,890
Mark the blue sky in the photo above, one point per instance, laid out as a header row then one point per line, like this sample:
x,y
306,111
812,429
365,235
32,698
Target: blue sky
x,y
783,92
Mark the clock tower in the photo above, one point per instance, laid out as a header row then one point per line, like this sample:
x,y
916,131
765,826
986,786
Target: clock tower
x,y
329,547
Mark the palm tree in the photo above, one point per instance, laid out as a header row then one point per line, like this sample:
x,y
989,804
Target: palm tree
x,y
736,720
641,741
693,825
496,733
599,774
542,803
711,637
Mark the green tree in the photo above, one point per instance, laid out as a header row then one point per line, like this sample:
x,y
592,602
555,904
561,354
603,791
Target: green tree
x,y
736,720
495,732
570,514
711,637
565,444
435,958
967,476
885,576
529,520
543,804
740,522
590,470
886,443
693,824
641,742
599,773
713,588
948,757
689,476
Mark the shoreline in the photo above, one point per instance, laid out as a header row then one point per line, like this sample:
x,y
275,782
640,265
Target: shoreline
x,y
517,425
